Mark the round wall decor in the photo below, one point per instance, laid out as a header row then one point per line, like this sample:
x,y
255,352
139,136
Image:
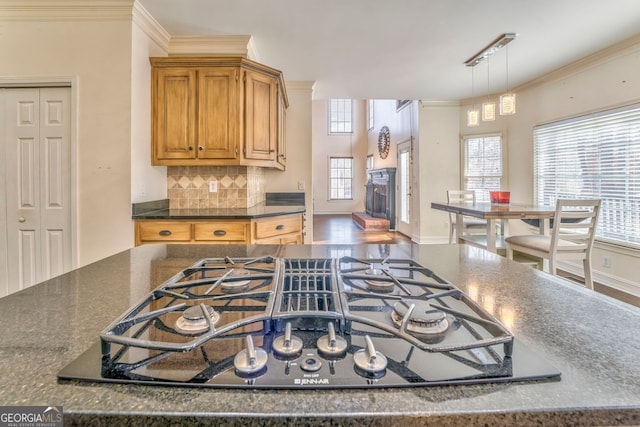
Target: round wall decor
x,y
384,140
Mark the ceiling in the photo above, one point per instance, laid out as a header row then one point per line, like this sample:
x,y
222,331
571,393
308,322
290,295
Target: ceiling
x,y
407,49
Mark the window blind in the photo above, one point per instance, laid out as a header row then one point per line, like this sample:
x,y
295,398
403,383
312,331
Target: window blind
x,y
483,165
595,156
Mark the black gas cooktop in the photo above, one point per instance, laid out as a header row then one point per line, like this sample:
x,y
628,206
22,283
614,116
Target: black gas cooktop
x,y
300,323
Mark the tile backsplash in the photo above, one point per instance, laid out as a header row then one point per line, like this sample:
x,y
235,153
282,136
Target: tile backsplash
x,y
238,187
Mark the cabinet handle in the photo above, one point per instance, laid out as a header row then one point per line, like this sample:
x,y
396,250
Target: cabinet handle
x,y
200,147
272,151
190,148
280,227
164,233
220,233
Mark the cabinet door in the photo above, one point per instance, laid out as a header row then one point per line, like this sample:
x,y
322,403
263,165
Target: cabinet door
x,y
222,231
219,113
174,113
282,146
277,226
162,231
261,116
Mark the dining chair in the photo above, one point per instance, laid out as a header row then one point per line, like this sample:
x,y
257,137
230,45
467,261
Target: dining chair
x,y
572,235
469,225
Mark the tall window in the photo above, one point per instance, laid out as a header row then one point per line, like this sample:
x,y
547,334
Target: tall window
x,y
483,157
594,156
370,114
340,116
340,178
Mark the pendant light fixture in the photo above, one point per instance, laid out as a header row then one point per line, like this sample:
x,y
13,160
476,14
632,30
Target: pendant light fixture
x,y
473,114
488,107
508,100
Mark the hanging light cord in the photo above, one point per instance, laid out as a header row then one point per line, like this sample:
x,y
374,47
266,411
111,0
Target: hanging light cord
x,y
488,87
507,60
472,99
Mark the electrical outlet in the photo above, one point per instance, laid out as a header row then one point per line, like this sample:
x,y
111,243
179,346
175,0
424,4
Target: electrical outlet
x,y
213,186
300,185
606,262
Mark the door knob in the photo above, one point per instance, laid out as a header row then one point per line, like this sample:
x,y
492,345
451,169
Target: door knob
x,y
22,219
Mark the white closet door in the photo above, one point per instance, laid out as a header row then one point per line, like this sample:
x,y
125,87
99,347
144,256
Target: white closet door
x,y
37,183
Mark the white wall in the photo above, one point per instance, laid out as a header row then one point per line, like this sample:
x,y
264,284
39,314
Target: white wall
x,y
98,53
325,145
438,161
147,182
299,153
603,81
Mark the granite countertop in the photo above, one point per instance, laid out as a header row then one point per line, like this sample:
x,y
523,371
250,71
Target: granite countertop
x,y
160,210
590,338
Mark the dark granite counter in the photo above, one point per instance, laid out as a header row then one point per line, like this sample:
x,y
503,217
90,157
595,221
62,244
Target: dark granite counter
x,y
590,338
159,210
258,211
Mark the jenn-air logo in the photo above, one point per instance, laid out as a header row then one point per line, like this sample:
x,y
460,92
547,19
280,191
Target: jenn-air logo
x,y
31,416
311,381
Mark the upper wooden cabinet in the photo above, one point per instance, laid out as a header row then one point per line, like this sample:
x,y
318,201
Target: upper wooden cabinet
x,y
217,111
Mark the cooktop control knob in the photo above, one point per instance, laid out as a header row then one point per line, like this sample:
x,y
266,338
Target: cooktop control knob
x,y
370,361
251,360
331,345
287,345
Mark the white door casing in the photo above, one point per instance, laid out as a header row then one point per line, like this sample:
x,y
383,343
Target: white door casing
x,y
404,187
38,184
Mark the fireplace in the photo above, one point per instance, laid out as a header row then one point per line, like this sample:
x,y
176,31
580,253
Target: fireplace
x,y
380,201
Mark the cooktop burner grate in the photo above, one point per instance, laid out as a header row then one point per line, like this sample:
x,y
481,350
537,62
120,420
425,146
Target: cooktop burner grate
x,y
295,323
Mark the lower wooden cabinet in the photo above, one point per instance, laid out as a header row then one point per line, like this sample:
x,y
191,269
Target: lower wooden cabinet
x,y
283,229
278,230
162,231
222,232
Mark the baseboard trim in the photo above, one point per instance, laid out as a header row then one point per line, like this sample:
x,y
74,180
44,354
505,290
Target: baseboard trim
x,y
429,240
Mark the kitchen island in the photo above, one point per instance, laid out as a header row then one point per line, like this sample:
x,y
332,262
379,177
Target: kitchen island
x,y
590,338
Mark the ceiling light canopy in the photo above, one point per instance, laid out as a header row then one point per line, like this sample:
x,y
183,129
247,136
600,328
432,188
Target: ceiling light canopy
x,y
491,48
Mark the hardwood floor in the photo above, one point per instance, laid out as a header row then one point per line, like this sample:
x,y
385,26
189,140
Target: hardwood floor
x,y
340,229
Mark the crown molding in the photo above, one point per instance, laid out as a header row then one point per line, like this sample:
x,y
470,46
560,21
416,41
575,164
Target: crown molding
x,y
625,47
148,24
212,45
300,85
629,46
427,104
65,10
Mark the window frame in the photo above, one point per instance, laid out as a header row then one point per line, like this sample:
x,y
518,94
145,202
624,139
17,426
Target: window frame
x,y
605,140
369,162
370,115
331,178
482,194
330,116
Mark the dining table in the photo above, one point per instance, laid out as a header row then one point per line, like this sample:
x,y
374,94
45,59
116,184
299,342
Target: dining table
x,y
492,212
